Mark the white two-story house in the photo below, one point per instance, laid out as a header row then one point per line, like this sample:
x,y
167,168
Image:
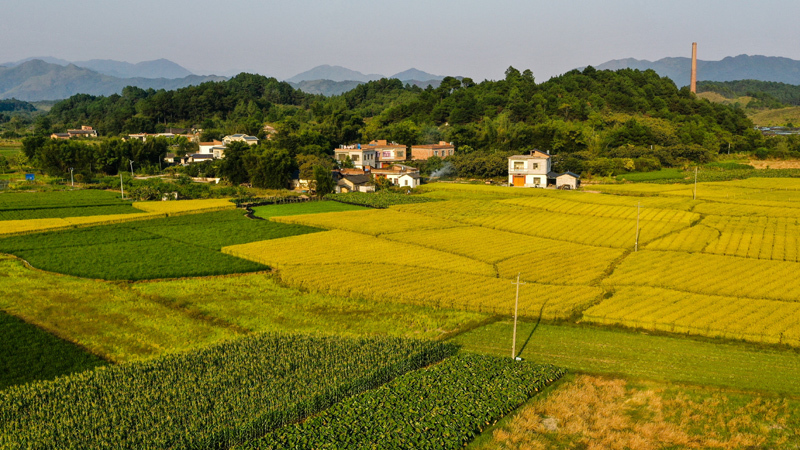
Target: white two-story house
x,y
361,157
529,170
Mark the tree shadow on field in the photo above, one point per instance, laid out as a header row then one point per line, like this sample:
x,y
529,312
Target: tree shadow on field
x,y
535,326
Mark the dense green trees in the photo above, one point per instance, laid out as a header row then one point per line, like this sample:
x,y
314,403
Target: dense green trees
x,y
767,94
590,120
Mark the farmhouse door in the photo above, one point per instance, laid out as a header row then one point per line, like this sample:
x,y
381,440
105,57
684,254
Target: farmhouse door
x,y
519,180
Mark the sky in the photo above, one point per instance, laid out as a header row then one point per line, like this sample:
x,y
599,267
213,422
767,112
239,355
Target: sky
x,y
478,39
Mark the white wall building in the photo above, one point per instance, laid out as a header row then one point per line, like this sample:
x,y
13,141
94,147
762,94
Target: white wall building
x,y
361,157
529,170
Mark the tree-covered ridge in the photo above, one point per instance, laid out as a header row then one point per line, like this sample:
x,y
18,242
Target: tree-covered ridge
x,y
591,121
13,105
138,110
769,93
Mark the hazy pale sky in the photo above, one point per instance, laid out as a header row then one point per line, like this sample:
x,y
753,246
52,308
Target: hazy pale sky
x,y
479,39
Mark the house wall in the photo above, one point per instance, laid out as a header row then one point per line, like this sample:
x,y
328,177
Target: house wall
x,y
423,153
567,180
407,181
366,158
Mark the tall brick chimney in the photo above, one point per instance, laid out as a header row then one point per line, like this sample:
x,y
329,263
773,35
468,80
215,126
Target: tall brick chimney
x,y
693,83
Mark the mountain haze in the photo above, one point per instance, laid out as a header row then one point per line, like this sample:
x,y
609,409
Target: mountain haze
x,y
333,73
416,74
159,68
732,68
38,80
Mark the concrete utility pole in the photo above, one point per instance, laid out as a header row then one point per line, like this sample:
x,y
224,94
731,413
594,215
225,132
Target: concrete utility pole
x,y
516,307
121,188
636,244
131,168
693,82
694,195
71,178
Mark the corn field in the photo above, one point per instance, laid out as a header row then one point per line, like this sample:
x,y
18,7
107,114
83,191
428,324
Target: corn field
x,y
210,398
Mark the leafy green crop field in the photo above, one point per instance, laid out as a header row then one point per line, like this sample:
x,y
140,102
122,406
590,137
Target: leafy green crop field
x,y
9,151
440,407
28,353
159,248
380,199
59,199
209,398
642,355
46,205
293,209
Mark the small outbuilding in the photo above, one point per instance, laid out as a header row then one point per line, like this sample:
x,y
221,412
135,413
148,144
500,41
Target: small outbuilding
x,y
354,183
411,180
568,180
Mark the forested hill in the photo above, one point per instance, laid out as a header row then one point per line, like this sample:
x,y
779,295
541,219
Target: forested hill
x,y
770,93
634,117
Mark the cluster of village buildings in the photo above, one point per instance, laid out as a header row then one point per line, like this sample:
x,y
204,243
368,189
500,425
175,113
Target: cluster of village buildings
x,y
378,159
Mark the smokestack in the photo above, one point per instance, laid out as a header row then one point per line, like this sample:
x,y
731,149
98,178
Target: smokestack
x,y
693,83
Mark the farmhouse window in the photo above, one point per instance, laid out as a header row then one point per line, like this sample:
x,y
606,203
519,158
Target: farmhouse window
x,y
519,165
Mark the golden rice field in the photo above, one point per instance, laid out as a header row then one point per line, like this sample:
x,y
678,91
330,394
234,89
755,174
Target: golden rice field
x,y
628,211
728,275
441,289
338,247
767,321
709,274
373,222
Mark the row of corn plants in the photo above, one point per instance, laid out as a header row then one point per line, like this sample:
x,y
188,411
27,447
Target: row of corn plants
x,y
441,407
211,398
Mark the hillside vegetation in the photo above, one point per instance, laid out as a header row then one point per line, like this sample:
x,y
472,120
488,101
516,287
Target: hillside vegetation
x,y
592,121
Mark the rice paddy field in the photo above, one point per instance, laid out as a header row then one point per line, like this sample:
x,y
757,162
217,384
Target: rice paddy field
x,y
681,303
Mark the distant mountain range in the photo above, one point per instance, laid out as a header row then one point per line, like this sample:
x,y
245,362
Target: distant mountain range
x,y
159,68
732,68
335,80
36,80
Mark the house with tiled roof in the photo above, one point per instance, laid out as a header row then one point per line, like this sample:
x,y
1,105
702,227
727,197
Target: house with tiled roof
x,y
85,131
354,183
529,170
423,152
249,140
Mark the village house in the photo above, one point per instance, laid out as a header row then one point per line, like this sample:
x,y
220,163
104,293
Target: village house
x,y
361,157
199,157
354,183
423,152
145,136
395,175
59,136
529,170
208,148
249,140
410,180
566,180
85,131
388,152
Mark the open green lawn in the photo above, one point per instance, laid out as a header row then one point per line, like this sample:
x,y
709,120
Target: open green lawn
x,y
642,355
125,322
28,353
